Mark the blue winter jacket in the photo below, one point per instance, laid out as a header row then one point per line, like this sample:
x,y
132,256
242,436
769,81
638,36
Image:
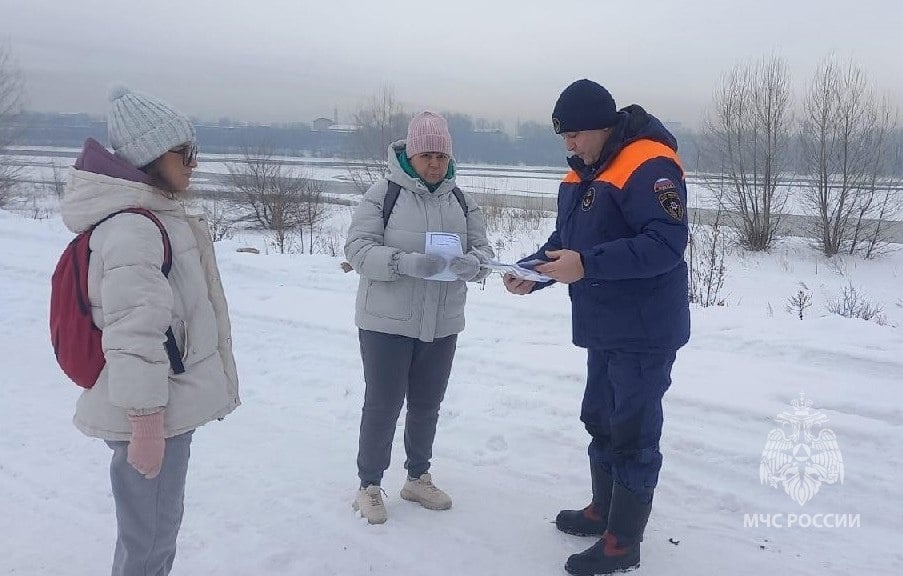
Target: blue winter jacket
x,y
626,216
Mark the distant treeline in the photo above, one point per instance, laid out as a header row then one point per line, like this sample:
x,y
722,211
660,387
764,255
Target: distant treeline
x,y
533,144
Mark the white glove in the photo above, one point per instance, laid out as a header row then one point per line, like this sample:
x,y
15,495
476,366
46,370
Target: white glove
x,y
465,267
419,265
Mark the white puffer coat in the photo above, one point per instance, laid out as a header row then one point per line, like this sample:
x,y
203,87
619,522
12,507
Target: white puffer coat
x,y
134,304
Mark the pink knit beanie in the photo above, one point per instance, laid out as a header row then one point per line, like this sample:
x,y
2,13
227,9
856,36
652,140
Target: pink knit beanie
x,y
428,132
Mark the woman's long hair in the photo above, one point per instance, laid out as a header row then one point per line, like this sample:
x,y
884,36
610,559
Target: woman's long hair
x,y
158,181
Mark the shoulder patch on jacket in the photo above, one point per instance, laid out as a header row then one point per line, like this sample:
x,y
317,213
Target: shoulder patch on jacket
x,y
670,202
663,185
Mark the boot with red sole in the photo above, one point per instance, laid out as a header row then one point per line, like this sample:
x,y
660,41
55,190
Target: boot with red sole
x,y
592,520
619,548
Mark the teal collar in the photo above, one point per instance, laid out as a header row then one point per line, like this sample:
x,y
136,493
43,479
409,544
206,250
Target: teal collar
x,y
405,164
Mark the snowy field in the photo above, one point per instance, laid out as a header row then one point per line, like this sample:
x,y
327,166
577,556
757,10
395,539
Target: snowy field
x,y
525,181
38,164
270,488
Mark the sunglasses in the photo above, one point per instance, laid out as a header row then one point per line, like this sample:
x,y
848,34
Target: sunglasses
x,y
189,153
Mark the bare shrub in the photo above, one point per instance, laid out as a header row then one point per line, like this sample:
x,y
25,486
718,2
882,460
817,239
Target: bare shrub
x,y
312,210
508,215
852,303
707,247
330,242
57,183
221,215
800,302
271,195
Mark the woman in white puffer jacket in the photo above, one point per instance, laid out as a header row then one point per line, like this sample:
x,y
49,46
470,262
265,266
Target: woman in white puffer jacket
x,y
145,411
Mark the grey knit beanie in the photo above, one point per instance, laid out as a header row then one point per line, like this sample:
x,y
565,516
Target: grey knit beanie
x,y
142,128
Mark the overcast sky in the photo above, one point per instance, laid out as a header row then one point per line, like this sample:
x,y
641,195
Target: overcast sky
x,y
275,60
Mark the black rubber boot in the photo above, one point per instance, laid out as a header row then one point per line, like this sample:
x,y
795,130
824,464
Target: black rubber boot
x,y
592,520
619,548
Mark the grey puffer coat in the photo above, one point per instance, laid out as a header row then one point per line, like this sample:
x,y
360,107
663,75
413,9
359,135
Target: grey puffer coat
x,y
396,304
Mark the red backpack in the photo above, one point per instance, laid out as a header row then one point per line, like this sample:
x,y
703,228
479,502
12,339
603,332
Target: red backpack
x,y
76,340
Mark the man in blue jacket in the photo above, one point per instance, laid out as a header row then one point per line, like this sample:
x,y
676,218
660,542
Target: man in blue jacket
x,y
619,245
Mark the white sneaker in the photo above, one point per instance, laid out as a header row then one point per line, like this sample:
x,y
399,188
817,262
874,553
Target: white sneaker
x,y
369,503
423,491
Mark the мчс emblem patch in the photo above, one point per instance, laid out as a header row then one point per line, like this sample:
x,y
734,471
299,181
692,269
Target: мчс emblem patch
x,y
588,198
670,201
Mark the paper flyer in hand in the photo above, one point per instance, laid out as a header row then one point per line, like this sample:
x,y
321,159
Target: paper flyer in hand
x,y
517,270
446,245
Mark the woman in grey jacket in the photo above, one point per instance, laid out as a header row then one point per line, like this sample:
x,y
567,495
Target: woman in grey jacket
x,y
145,411
408,323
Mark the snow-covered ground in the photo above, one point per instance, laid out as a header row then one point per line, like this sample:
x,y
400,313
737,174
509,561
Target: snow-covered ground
x,y
270,488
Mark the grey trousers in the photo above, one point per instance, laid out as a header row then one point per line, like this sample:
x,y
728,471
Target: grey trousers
x,y
395,368
148,512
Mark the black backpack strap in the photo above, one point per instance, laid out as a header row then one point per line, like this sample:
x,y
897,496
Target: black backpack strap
x,y
459,196
172,349
392,191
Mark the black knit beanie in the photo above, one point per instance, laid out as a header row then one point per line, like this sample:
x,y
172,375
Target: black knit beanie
x,y
584,105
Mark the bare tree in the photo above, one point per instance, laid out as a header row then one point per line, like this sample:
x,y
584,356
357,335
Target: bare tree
x,y
220,213
12,90
312,210
270,194
747,135
278,199
364,174
886,209
874,203
381,121
846,141
57,182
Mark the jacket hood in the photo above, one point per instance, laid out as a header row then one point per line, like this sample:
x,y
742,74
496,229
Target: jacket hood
x,y
405,180
640,125
100,184
95,158
635,124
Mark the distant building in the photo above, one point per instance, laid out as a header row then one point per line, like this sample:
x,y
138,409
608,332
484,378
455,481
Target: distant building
x,y
321,124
